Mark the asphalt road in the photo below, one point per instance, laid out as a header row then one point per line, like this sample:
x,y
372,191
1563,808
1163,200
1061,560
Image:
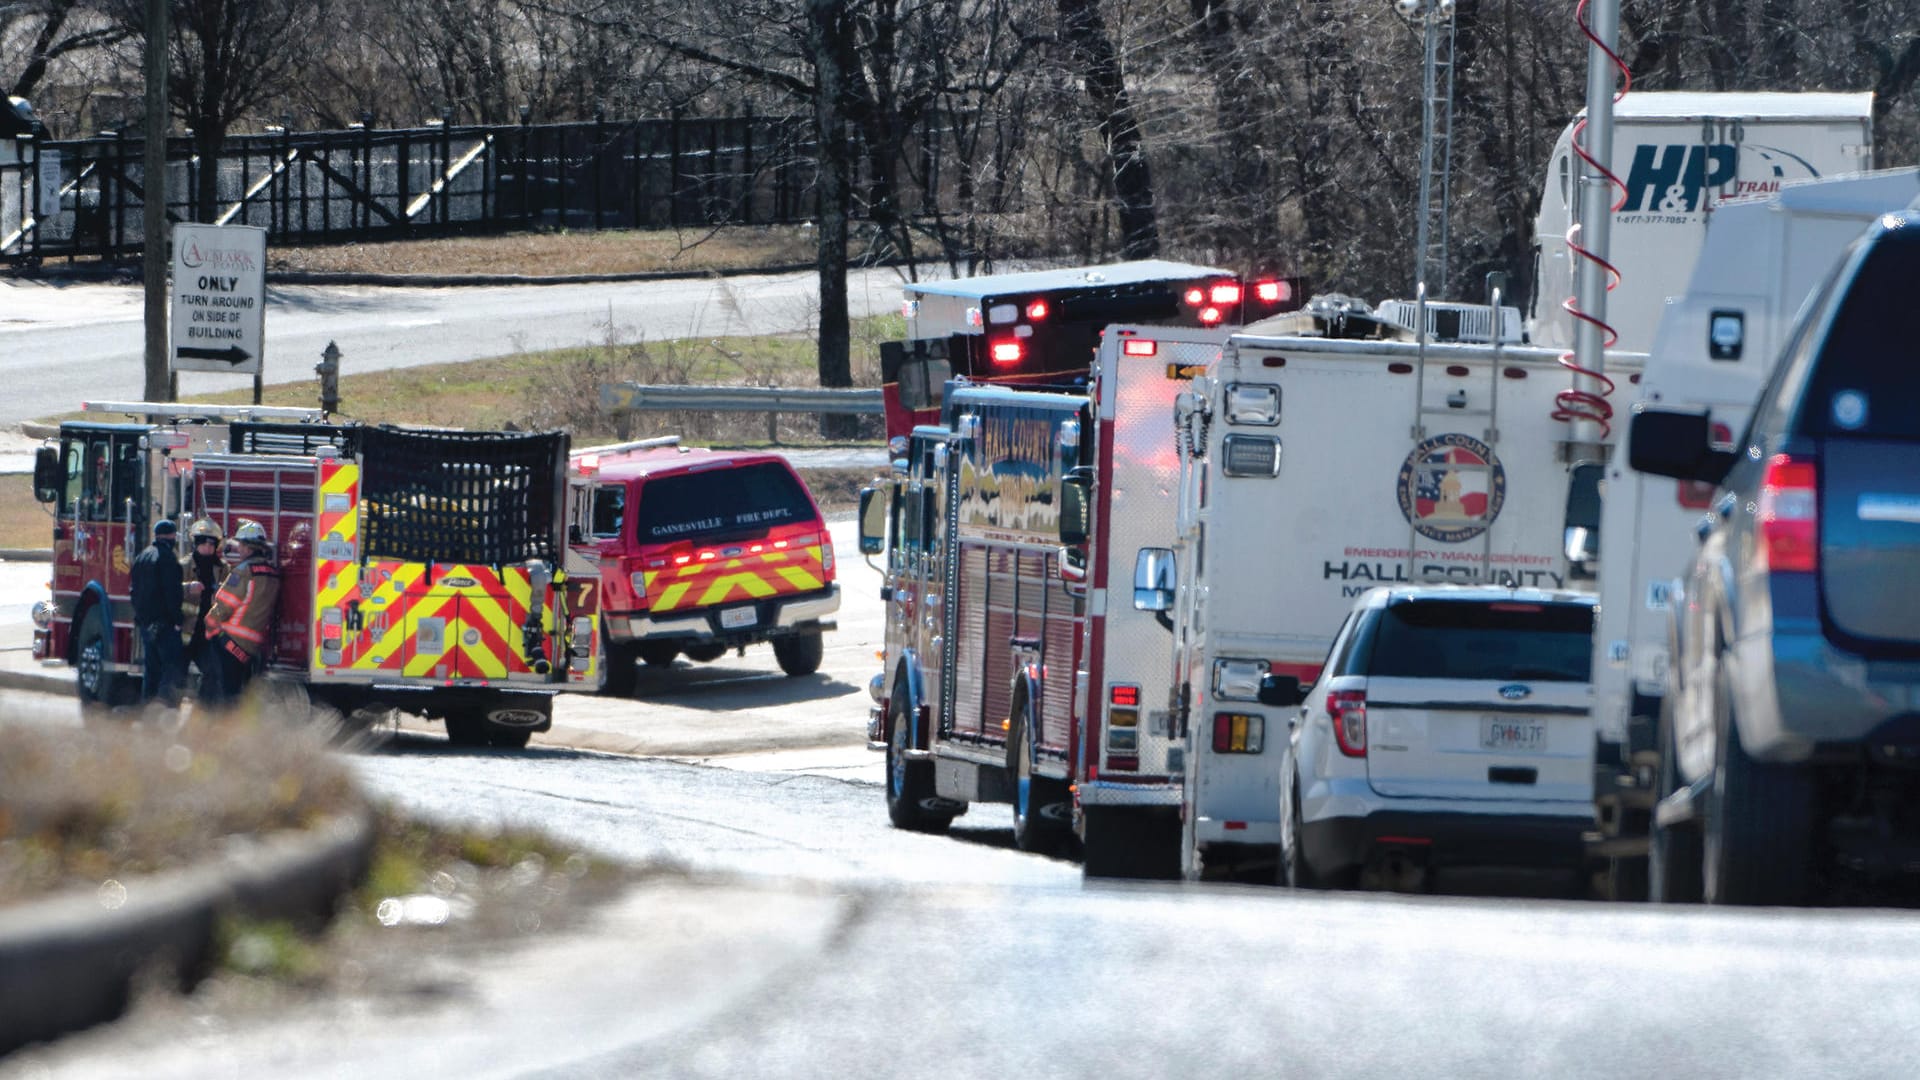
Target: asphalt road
x,y
60,344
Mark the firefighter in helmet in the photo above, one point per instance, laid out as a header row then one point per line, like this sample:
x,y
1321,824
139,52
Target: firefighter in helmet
x,y
203,572
239,628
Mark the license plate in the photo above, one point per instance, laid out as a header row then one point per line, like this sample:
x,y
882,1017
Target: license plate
x,y
1497,734
735,618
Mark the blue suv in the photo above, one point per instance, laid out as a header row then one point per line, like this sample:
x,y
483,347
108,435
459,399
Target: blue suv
x,y
1790,740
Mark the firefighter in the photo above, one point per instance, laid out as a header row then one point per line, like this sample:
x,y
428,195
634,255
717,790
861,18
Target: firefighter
x,y
203,571
157,594
240,623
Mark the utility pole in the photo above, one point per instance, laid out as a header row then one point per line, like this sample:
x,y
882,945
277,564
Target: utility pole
x,y
1596,221
153,218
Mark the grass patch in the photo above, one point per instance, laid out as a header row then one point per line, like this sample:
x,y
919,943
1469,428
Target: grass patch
x,y
560,388
24,522
545,253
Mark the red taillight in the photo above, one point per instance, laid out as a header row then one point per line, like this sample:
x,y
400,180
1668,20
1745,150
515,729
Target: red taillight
x,y
1348,710
1238,733
1006,352
1124,695
1209,316
1273,292
1037,311
1139,347
1227,292
1789,515
1196,296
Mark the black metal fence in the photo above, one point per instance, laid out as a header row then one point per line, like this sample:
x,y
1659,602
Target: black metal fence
x,y
361,184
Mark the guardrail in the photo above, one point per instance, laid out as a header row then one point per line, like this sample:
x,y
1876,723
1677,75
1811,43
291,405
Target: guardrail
x,y
772,400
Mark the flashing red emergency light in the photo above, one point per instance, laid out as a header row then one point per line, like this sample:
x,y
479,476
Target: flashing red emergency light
x,y
1037,311
1209,316
1006,352
1226,292
1139,347
1196,297
1273,292
1124,695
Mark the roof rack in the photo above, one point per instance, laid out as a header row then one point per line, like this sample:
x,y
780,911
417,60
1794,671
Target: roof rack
x,y
175,410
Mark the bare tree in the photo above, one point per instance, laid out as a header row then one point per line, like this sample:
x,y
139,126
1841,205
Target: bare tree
x,y
52,29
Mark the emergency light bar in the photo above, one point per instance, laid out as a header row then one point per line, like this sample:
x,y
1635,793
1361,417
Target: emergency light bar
x,y
173,410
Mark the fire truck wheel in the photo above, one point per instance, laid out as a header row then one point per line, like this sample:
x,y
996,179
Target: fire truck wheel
x,y
509,738
92,653
800,654
909,783
621,675
705,654
1032,795
658,653
468,729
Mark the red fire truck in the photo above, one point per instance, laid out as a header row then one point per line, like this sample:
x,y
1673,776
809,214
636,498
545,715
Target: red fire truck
x,y
1043,326
424,570
1009,677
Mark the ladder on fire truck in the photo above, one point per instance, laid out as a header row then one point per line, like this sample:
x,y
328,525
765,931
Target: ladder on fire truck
x,y
167,412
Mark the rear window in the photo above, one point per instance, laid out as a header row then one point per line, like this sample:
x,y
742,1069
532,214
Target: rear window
x,y
747,499
1866,379
1460,639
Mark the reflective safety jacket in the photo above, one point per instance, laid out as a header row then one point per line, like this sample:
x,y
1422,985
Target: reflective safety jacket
x,y
243,608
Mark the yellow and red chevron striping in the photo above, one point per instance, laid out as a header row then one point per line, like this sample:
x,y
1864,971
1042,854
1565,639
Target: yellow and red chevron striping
x,y
747,577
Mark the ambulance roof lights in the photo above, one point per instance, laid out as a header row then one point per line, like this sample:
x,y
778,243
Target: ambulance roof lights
x,y
1273,292
1225,292
1037,311
1007,352
1210,315
1196,296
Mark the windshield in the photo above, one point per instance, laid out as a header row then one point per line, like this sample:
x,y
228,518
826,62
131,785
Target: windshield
x,y
1460,639
748,499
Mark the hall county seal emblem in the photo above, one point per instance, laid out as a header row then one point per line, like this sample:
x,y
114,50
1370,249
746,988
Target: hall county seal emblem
x,y
1451,488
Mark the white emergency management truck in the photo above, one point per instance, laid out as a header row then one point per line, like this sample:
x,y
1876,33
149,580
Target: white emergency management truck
x,y
1315,466
1716,345
1680,155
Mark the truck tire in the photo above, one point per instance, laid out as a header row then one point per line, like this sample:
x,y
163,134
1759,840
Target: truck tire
x,y
1032,830
909,783
705,654
1295,871
800,654
97,684
1759,836
1673,852
658,653
1130,842
622,677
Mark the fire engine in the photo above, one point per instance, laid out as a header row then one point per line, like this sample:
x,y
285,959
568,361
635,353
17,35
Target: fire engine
x,y
701,551
424,570
1346,451
1008,677
1043,327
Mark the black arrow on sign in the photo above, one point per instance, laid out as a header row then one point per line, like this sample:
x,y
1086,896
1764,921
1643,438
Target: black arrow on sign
x,y
232,354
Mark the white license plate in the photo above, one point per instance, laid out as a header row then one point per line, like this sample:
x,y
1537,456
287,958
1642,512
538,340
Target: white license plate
x,y
1498,734
735,618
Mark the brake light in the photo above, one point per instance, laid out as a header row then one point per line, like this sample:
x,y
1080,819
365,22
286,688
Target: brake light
x,y
1139,347
1006,352
682,560
1124,695
1037,311
1209,315
1789,514
1196,296
1238,733
1273,292
1348,711
709,556
1227,292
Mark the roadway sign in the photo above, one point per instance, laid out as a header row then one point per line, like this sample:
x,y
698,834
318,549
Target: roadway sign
x,y
219,298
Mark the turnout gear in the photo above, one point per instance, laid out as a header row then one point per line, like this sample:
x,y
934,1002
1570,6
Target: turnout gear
x,y
157,594
239,629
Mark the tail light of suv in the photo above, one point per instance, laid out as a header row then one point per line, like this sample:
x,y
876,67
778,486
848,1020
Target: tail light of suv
x,y
1789,514
1348,711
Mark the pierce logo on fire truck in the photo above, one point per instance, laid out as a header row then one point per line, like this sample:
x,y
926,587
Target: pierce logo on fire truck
x,y
1451,488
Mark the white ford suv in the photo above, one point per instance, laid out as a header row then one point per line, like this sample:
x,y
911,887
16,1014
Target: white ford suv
x,y
1451,725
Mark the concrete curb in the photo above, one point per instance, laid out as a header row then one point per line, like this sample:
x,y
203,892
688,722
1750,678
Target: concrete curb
x,y
48,681
67,962
26,554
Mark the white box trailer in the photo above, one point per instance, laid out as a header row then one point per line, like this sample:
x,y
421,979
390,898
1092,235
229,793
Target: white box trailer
x,y
1681,155
1717,343
1314,469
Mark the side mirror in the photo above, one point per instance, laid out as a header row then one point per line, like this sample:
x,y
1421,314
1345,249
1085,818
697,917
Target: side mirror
x,y
1154,579
49,479
1283,691
1074,493
1581,536
873,522
1667,442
